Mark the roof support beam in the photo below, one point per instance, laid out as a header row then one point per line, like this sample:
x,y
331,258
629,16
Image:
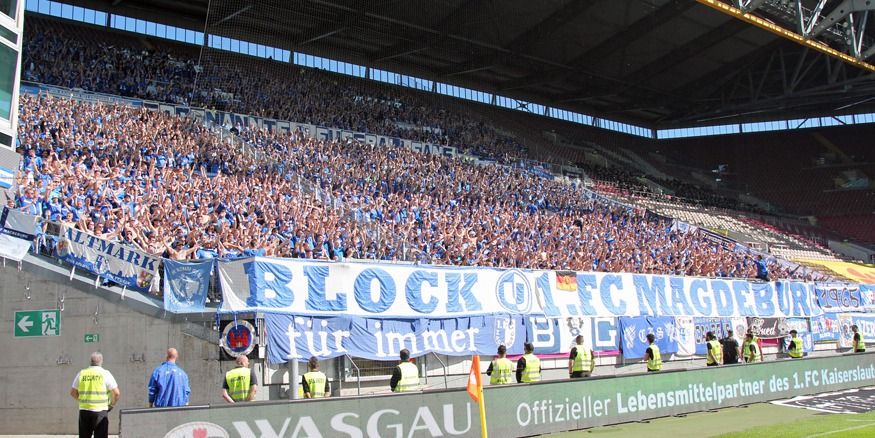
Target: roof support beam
x,y
233,14
841,11
748,5
771,27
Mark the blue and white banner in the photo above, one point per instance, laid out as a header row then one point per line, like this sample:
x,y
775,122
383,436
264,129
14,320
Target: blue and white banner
x,y
685,327
297,338
110,260
7,178
867,291
186,285
557,335
839,297
16,233
846,334
358,289
866,325
635,330
718,326
306,287
825,327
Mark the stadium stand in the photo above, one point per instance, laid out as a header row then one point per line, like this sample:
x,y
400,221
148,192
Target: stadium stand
x,y
456,217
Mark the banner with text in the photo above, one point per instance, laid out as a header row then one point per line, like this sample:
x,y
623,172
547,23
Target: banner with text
x,y
512,410
557,335
411,291
106,259
839,297
866,325
16,233
297,338
768,328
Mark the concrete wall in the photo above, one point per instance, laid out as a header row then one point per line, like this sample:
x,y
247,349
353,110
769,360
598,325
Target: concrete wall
x,y
36,387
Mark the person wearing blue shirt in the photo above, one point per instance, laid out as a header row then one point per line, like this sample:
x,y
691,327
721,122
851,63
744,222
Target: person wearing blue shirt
x,y
168,385
762,268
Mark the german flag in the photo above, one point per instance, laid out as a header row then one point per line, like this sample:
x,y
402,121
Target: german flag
x,y
566,280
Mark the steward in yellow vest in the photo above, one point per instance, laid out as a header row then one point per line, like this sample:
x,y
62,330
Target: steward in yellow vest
x,y
96,391
500,369
749,338
859,342
580,362
240,383
652,356
315,383
528,367
795,349
405,377
751,349
715,350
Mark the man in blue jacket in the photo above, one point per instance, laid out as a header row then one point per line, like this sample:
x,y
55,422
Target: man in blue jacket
x,y
169,384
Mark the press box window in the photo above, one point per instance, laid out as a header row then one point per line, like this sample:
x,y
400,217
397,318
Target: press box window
x,y
8,62
8,7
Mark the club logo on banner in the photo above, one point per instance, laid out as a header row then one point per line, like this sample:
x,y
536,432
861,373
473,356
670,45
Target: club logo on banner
x,y
505,330
513,292
110,260
238,338
198,429
186,285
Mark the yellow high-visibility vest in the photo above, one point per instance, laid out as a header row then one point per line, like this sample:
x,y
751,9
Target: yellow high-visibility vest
x,y
501,371
583,360
717,352
239,383
532,371
409,378
316,382
655,361
92,390
795,348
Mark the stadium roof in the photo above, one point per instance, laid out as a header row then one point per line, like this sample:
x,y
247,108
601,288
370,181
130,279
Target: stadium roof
x,y
653,63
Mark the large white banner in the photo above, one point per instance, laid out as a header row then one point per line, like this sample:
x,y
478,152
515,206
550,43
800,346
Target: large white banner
x,y
359,289
306,287
16,233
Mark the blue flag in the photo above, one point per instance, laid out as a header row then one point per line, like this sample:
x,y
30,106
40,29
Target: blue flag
x,y
186,285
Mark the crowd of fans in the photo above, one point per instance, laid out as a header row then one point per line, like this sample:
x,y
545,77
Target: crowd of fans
x,y
248,85
171,186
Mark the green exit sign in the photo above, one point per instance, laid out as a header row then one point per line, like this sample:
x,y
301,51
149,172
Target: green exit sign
x,y
92,338
37,323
